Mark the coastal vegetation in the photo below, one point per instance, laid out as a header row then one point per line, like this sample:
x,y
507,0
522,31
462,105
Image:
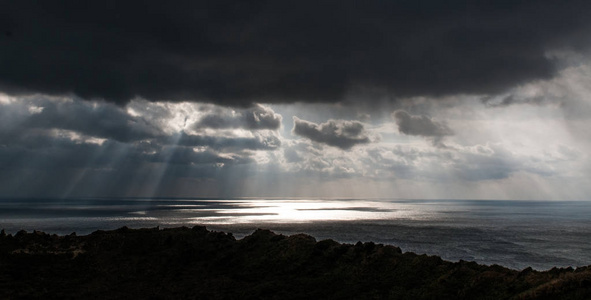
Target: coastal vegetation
x,y
195,263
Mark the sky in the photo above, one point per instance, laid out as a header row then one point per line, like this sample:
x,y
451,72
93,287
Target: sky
x,y
330,99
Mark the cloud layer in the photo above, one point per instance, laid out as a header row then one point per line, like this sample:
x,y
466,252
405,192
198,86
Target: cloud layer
x,y
337,133
150,98
54,146
59,145
236,53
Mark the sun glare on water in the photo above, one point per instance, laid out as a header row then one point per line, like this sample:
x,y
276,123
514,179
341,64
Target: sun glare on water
x,y
284,211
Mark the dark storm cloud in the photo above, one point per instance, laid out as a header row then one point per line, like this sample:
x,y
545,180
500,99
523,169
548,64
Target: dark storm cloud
x,y
254,118
336,133
237,52
420,125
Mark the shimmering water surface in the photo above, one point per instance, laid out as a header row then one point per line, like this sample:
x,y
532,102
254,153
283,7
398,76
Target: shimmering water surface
x,y
516,234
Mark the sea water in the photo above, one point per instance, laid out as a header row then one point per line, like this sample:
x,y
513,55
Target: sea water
x,y
515,234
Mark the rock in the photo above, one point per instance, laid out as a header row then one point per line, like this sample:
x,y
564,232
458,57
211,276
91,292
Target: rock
x,y
182,263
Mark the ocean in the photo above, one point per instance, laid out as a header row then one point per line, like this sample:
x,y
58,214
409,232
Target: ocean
x,y
514,234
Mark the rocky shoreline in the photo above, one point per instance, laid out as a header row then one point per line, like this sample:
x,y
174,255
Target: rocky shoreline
x,y
194,263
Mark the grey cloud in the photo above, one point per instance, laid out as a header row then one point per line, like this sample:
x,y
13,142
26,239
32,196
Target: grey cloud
x,y
310,164
420,125
569,90
253,118
336,133
55,153
187,156
42,165
235,53
506,100
291,155
101,120
259,142
378,165
498,101
112,169
477,167
494,163
49,147
298,152
19,126
462,164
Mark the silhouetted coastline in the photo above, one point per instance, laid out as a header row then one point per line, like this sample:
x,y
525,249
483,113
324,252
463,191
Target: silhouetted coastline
x,y
195,263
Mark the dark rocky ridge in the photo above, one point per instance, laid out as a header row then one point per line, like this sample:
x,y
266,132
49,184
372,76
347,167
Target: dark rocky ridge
x,y
183,263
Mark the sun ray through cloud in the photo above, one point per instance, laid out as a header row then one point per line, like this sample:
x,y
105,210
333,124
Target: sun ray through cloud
x,y
430,125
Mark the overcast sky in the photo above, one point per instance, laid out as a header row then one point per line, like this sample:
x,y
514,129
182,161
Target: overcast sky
x,y
344,99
